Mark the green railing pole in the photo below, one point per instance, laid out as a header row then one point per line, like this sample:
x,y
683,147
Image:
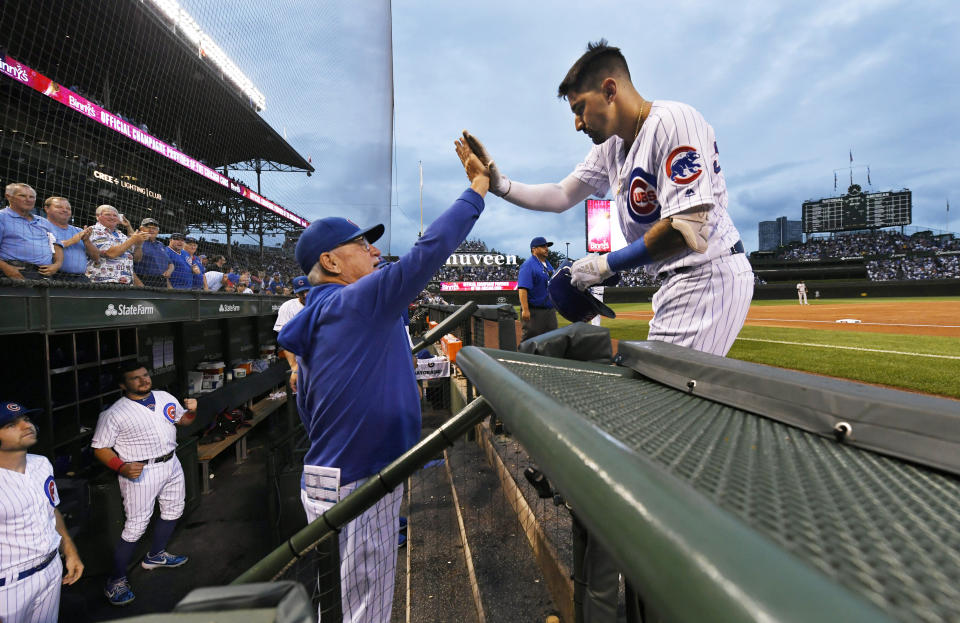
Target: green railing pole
x,y
444,327
690,560
367,494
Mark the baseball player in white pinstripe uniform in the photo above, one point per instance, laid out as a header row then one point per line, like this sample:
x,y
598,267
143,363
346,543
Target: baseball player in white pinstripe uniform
x,y
31,527
661,161
137,438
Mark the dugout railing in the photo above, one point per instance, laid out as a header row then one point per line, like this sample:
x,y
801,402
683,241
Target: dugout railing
x,y
729,491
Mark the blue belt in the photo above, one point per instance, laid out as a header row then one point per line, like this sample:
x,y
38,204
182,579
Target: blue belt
x,y
734,250
28,572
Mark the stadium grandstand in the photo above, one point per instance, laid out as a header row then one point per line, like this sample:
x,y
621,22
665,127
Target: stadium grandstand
x,y
877,255
151,117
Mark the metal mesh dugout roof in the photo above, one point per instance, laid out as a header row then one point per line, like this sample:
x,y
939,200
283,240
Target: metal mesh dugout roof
x,y
878,526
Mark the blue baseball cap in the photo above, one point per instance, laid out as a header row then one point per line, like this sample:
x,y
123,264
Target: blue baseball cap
x,y
233,278
300,284
540,241
10,411
327,233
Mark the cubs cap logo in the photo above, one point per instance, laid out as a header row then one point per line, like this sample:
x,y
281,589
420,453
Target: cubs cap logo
x,y
50,490
683,165
12,406
642,197
170,412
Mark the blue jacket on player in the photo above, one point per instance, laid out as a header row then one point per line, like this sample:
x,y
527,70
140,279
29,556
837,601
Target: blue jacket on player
x,y
357,394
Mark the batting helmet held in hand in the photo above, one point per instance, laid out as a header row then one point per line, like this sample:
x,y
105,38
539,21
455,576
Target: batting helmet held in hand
x,y
574,304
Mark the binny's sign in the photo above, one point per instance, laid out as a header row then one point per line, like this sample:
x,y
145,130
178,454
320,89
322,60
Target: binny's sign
x,y
481,259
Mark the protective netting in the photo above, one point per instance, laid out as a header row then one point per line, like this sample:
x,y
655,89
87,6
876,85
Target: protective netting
x,y
184,112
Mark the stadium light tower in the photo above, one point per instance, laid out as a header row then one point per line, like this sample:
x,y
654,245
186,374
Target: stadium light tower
x,y
568,251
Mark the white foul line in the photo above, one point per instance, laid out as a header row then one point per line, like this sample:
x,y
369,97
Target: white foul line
x,y
868,350
877,324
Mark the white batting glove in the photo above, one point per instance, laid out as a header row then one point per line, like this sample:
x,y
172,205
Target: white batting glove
x,y
499,183
589,271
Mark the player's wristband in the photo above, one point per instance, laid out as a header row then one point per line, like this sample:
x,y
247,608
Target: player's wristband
x,y
115,463
634,254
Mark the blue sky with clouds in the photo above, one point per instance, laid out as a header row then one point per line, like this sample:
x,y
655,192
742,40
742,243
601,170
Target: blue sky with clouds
x,y
789,88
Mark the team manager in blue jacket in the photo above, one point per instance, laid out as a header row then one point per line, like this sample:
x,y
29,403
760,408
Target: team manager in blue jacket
x,y
357,394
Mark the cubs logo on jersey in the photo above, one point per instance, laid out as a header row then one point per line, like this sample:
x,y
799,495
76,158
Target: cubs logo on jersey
x,y
683,165
170,412
644,207
50,490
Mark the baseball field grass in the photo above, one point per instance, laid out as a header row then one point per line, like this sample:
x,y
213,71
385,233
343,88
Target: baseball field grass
x,y
921,363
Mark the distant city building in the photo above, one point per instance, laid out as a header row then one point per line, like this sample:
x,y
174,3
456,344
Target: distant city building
x,y
779,233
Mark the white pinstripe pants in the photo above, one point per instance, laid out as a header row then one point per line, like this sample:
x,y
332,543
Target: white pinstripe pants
x,y
35,599
157,481
368,555
704,309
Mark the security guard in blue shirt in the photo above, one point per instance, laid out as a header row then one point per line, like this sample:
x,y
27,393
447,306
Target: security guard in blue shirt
x,y
537,314
357,394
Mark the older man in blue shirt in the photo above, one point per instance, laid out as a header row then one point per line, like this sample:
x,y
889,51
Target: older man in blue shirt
x,y
537,314
357,396
77,247
27,249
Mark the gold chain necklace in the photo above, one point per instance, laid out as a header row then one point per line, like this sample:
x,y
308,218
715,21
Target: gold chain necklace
x,y
636,133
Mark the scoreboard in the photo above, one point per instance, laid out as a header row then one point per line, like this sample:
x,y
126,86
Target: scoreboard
x,y
858,210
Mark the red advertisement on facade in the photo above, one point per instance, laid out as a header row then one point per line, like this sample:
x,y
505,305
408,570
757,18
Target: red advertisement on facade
x,y
475,286
38,82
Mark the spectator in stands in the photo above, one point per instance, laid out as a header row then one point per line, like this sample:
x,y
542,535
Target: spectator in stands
x,y
537,315
243,285
182,276
117,250
190,248
154,268
77,248
27,249
214,279
230,281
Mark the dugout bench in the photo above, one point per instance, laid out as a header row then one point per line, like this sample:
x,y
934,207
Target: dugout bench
x,y
240,393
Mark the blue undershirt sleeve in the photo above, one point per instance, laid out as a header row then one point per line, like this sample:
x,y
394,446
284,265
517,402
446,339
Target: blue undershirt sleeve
x,y
630,256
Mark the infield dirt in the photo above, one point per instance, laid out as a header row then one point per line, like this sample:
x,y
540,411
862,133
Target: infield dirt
x,y
940,318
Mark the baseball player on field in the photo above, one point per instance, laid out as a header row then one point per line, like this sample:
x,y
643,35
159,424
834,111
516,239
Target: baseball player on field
x,y
660,160
802,293
31,527
137,438
358,395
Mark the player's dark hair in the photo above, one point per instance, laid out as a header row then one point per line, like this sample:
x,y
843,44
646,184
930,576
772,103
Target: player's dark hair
x,y
599,62
129,365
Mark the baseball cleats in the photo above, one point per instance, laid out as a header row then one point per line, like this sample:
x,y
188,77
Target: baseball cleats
x,y
118,592
163,559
